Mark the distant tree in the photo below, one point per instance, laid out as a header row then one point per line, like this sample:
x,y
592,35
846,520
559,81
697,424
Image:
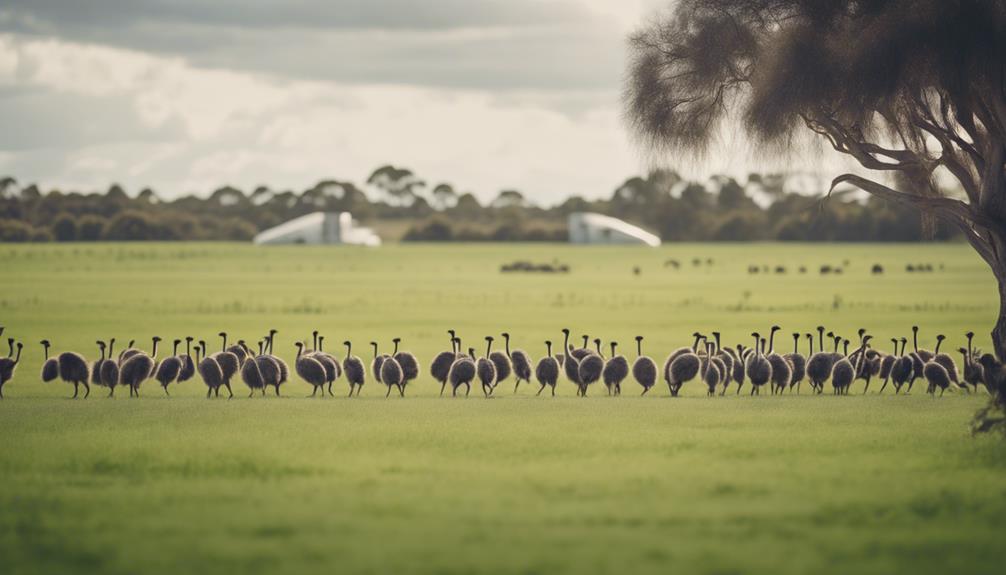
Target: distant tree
x,y
509,199
90,228
400,185
467,204
147,196
444,196
907,88
15,231
133,226
64,228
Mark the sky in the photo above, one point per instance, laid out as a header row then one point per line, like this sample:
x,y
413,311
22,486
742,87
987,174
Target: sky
x,y
185,96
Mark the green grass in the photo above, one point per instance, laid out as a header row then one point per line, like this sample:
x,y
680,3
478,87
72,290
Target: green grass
x,y
858,484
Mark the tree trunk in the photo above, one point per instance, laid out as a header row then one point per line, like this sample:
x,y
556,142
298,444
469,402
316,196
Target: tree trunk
x,y
999,331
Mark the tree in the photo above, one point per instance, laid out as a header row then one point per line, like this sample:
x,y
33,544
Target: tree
x,y
508,199
64,228
910,89
444,196
90,228
399,184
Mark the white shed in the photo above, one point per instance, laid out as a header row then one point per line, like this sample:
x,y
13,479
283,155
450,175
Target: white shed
x,y
320,228
591,228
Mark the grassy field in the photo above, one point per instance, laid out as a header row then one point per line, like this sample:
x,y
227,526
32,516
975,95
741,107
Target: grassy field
x,y
518,484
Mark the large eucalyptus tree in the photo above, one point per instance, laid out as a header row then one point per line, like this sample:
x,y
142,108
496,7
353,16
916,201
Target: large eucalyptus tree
x,y
913,88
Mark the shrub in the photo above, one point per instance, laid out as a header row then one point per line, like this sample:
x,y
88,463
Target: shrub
x,y
90,228
15,231
64,228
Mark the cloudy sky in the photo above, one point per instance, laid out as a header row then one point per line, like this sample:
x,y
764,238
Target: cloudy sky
x,y
187,95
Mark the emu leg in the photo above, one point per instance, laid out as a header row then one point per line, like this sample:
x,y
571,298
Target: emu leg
x,y
228,390
516,385
315,392
75,390
277,390
540,389
209,390
645,389
386,395
401,389
443,384
351,388
468,388
553,391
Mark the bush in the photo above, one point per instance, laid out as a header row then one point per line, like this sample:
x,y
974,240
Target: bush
x,y
64,228
435,230
15,231
136,226
90,228
41,235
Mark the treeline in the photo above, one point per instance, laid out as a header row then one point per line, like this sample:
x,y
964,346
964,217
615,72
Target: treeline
x,y
722,209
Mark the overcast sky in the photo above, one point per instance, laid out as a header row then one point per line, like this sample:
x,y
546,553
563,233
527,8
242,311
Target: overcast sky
x,y
188,95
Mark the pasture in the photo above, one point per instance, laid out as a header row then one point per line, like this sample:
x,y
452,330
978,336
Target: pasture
x,y
516,484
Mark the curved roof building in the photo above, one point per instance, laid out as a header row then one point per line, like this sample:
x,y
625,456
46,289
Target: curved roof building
x,y
591,228
319,228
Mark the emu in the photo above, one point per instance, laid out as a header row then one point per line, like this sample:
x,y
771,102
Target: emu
x,y
8,366
169,369
211,371
485,368
615,371
758,368
310,369
109,372
798,362
462,370
440,367
520,360
782,371
547,370
138,368
354,370
408,363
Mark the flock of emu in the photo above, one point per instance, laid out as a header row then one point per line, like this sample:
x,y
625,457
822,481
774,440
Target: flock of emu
x,y
705,361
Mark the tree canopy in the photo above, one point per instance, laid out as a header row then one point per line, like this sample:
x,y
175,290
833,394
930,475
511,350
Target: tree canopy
x,y
913,89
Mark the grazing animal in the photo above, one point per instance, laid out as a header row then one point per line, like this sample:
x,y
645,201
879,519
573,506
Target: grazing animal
x,y
757,367
188,366
169,369
8,366
520,360
210,370
310,369
352,366
139,367
230,363
974,373
284,369
547,370
919,358
50,365
644,369
440,367
485,368
616,369
462,371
